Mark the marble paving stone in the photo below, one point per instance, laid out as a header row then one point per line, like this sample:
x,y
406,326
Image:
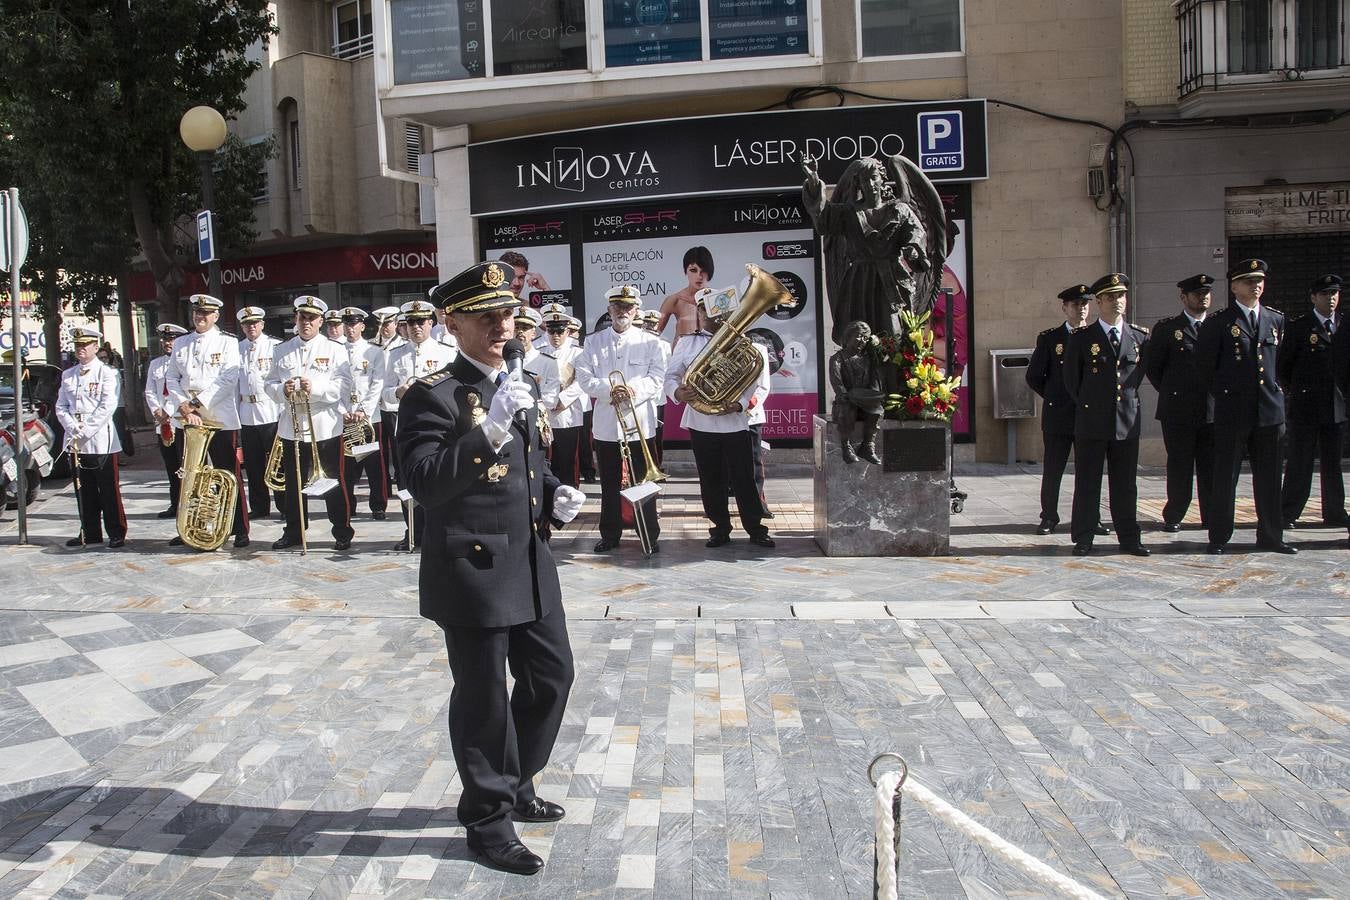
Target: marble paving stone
x,y
209,642
149,665
856,610
69,626
36,759
34,651
1054,609
85,703
936,609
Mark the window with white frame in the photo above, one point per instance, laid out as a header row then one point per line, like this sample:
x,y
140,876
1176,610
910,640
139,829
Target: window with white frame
x,y
443,40
909,27
352,36
1284,39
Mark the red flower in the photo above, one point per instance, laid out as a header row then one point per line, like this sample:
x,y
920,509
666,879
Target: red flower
x,y
914,405
906,375
909,356
940,405
930,360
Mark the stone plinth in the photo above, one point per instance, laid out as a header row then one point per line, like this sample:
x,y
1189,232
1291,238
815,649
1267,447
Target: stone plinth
x,y
900,508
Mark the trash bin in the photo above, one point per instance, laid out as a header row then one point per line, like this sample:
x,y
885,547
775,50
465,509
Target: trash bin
x,y
1013,397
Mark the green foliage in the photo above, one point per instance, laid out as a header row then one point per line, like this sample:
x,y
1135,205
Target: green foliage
x,y
89,111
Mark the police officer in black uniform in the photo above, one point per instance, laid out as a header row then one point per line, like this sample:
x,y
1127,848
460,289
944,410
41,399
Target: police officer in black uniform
x,y
1236,362
1103,368
1185,410
1316,407
1045,376
471,455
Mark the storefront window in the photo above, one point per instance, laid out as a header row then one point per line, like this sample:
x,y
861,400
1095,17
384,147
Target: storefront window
x,y
741,28
910,27
642,32
371,295
437,40
538,36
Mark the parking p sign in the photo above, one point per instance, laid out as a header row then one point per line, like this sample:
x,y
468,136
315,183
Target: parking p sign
x,y
941,142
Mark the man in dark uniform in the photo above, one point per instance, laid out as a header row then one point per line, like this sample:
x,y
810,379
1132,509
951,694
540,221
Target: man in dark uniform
x,y
1184,409
1103,368
1236,363
471,456
1045,376
1316,407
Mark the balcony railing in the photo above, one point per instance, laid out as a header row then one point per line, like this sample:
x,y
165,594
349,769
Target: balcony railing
x,y
356,47
1232,43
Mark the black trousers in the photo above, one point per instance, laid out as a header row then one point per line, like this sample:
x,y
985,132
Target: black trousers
x,y
339,515
1190,457
722,457
611,503
658,442
757,460
388,429
1057,450
172,456
1262,445
100,497
376,472
223,451
586,446
502,739
256,441
1121,460
562,456
1325,443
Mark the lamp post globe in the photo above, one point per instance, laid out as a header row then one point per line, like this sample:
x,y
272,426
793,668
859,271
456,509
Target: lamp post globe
x,y
202,128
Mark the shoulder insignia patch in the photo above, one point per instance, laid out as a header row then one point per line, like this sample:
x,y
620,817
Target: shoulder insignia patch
x,y
434,378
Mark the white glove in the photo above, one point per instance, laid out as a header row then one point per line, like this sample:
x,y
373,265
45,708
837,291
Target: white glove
x,y
567,503
511,398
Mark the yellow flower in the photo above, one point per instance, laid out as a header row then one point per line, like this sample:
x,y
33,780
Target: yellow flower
x,y
916,337
944,392
912,384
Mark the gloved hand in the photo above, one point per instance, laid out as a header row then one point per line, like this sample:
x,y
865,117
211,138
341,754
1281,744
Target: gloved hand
x,y
511,398
567,503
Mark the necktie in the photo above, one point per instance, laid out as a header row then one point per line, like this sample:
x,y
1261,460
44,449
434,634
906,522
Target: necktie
x,y
1251,319
1330,324
501,379
1115,340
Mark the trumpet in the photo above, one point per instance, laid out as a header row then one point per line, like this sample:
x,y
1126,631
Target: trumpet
x,y
630,428
302,428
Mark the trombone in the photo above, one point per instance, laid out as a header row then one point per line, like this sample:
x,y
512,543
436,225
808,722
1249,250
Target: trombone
x,y
302,428
630,428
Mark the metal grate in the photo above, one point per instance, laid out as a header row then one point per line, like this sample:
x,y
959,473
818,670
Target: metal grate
x,y
1294,260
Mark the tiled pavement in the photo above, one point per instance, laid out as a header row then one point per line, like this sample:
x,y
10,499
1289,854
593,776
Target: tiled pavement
x,y
257,724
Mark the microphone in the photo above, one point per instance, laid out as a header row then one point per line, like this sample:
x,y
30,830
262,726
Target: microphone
x,y
513,354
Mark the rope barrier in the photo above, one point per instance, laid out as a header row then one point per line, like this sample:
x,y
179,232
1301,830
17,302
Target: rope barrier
x,y
892,785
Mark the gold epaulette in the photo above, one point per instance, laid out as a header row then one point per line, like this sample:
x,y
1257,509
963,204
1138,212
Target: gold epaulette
x,y
434,378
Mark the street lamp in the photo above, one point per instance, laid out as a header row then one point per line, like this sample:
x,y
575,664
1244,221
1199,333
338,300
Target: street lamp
x,y
203,130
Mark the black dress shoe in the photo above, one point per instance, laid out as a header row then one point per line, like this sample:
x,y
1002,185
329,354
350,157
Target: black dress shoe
x,y
718,540
1136,550
604,545
1171,527
1082,549
241,541
87,542
167,514
762,540
1045,527
512,856
342,544
1102,530
1291,525
402,545
656,548
176,541
114,543
379,515
285,542
539,811
1281,547
1216,550
767,515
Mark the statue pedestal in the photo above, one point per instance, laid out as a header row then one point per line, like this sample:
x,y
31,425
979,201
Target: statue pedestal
x,y
899,508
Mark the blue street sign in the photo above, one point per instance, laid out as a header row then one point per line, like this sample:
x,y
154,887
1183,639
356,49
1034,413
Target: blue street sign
x,y
206,237
941,142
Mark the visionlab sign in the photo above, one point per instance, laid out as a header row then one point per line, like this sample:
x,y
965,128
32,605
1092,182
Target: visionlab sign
x,y
721,154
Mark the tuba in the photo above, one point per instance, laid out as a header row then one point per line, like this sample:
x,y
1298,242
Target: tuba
x,y
729,362
207,497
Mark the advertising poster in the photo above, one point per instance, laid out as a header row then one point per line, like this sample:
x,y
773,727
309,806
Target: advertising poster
x,y
955,278
647,246
543,242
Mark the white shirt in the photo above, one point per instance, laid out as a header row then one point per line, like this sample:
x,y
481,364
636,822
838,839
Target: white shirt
x,y
753,396
256,406
84,407
368,367
572,398
324,363
206,366
638,355
441,334
757,416
157,390
411,361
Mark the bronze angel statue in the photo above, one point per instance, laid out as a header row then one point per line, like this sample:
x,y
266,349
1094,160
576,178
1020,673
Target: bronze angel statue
x,y
886,238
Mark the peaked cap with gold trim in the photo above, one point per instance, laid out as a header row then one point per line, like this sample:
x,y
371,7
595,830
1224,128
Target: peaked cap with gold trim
x,y
1110,284
479,288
